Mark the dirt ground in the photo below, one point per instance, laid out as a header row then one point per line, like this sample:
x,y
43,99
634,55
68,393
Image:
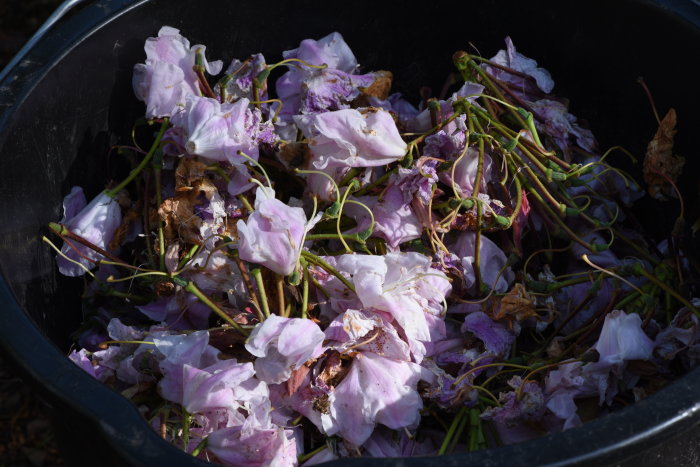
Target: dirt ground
x,y
26,436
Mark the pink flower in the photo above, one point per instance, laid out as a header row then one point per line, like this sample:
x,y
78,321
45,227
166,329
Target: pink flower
x,y
217,131
375,390
365,137
273,234
622,338
167,76
330,50
517,61
283,345
95,222
404,285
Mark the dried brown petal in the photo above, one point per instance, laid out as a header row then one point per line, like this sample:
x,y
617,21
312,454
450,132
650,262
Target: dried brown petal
x,y
660,165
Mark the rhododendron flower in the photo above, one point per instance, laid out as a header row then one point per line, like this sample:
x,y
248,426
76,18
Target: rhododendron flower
x,y
283,345
511,58
217,131
330,50
495,336
403,285
465,172
365,137
249,445
213,387
375,390
96,223
491,261
330,89
167,78
273,234
622,338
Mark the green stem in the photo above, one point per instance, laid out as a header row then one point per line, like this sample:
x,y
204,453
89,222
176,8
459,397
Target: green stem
x,y
115,191
200,447
333,236
305,291
311,258
667,288
304,457
257,274
194,290
450,433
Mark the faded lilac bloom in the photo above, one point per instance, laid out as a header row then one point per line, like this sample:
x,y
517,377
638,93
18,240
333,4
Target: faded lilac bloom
x,y
404,285
95,222
240,85
167,77
465,172
394,219
249,445
364,137
561,125
495,336
330,50
375,390
622,338
530,406
517,61
180,350
367,332
491,261
283,345
212,387
217,131
330,89
82,359
273,234
178,311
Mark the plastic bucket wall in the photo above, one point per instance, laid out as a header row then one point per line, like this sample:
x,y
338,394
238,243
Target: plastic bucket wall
x,y
71,99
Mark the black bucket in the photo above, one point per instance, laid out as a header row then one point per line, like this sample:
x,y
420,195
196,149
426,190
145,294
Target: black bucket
x,y
70,99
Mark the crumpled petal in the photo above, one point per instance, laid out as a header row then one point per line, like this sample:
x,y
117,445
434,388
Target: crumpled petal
x,y
365,137
375,390
282,345
96,223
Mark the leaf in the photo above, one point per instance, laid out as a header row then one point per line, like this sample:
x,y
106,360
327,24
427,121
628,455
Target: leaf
x,y
661,167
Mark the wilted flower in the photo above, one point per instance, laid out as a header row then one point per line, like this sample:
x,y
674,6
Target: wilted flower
x,y
96,223
365,137
273,234
283,345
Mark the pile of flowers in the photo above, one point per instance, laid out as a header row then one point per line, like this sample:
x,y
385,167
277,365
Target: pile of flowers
x,y
328,270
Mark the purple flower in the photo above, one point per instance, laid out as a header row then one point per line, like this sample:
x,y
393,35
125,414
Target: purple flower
x,y
273,234
330,50
375,390
211,388
180,350
491,261
465,172
283,345
561,125
217,131
249,445
96,223
394,219
364,137
495,336
367,332
404,285
528,407
330,89
518,62
240,86
167,77
622,338
178,311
